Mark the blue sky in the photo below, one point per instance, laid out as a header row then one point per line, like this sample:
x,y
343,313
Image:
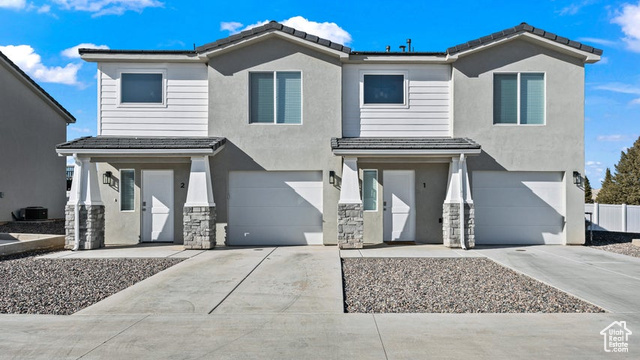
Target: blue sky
x,y
35,35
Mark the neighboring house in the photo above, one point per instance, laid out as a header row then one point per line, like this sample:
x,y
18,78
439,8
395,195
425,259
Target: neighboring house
x,y
274,137
32,123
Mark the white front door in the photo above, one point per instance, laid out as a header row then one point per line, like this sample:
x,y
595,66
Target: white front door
x,y
157,205
399,205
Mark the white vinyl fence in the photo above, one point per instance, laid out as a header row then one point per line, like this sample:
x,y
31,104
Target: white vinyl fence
x,y
620,218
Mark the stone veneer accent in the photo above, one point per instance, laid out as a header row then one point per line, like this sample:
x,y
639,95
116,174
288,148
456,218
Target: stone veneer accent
x,y
91,226
199,227
451,225
350,226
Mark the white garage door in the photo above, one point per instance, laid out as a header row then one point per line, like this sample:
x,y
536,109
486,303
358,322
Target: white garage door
x,y
518,207
275,208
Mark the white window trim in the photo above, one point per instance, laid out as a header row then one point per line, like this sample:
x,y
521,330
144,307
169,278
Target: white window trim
x,y
275,97
404,105
134,191
119,102
377,190
518,73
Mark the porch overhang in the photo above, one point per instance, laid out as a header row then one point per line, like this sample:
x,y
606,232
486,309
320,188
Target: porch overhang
x,y
404,147
105,146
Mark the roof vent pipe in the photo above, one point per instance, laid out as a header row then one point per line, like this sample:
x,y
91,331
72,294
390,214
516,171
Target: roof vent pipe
x,y
388,48
409,45
403,47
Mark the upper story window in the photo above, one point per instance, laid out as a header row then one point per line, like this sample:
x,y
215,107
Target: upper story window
x,y
275,97
383,89
519,98
142,88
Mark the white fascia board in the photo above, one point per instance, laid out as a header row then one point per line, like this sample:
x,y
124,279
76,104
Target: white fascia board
x,y
245,42
397,59
142,57
405,152
137,152
587,57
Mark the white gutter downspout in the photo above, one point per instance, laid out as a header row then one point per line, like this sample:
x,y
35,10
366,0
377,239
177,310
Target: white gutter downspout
x,y
76,209
461,176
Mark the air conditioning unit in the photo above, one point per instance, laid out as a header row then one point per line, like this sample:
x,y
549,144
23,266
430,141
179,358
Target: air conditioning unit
x,y
36,213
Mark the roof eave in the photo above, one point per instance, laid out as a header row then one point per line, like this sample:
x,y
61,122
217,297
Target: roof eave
x,y
406,152
31,84
586,57
140,57
397,59
138,152
206,54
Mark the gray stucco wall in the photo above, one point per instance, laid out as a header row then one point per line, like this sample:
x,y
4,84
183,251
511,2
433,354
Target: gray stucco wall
x,y
124,227
430,192
31,173
275,147
556,146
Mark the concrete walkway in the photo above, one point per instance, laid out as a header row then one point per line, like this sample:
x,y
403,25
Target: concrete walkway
x,y
286,303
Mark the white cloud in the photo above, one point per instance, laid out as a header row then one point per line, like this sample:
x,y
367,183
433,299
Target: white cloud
x,y
603,60
326,30
629,20
72,52
80,130
593,163
13,4
108,7
574,8
635,102
614,137
44,9
598,41
622,88
230,26
31,63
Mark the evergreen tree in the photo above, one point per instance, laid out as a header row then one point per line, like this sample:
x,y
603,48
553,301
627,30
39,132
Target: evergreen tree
x,y
607,191
627,178
588,194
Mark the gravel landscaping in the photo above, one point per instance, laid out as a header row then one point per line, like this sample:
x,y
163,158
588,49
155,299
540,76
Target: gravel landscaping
x,y
619,243
448,285
29,285
55,227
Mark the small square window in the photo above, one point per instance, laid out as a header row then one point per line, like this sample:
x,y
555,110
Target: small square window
x,y
383,89
275,97
141,88
519,98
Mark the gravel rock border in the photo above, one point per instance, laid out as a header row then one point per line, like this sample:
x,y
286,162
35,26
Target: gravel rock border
x,y
55,227
615,242
31,285
448,285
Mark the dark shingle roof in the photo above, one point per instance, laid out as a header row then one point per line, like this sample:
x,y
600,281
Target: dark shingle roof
x,y
409,143
270,27
30,80
112,142
523,27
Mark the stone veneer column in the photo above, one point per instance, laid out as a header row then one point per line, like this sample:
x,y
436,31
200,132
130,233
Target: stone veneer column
x,y
91,227
451,225
350,226
199,227
350,219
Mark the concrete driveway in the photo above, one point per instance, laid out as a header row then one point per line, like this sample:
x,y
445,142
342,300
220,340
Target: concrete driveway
x,y
286,303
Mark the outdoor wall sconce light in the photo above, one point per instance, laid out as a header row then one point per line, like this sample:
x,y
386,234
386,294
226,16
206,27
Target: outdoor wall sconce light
x,y
576,178
106,178
332,177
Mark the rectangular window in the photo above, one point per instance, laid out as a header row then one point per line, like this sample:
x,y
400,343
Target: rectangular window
x,y
275,97
141,88
519,98
383,89
370,189
127,190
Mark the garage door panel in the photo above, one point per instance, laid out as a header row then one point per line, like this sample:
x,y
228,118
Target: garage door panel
x,y
269,197
518,207
275,215
521,235
511,197
502,216
275,235
275,208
